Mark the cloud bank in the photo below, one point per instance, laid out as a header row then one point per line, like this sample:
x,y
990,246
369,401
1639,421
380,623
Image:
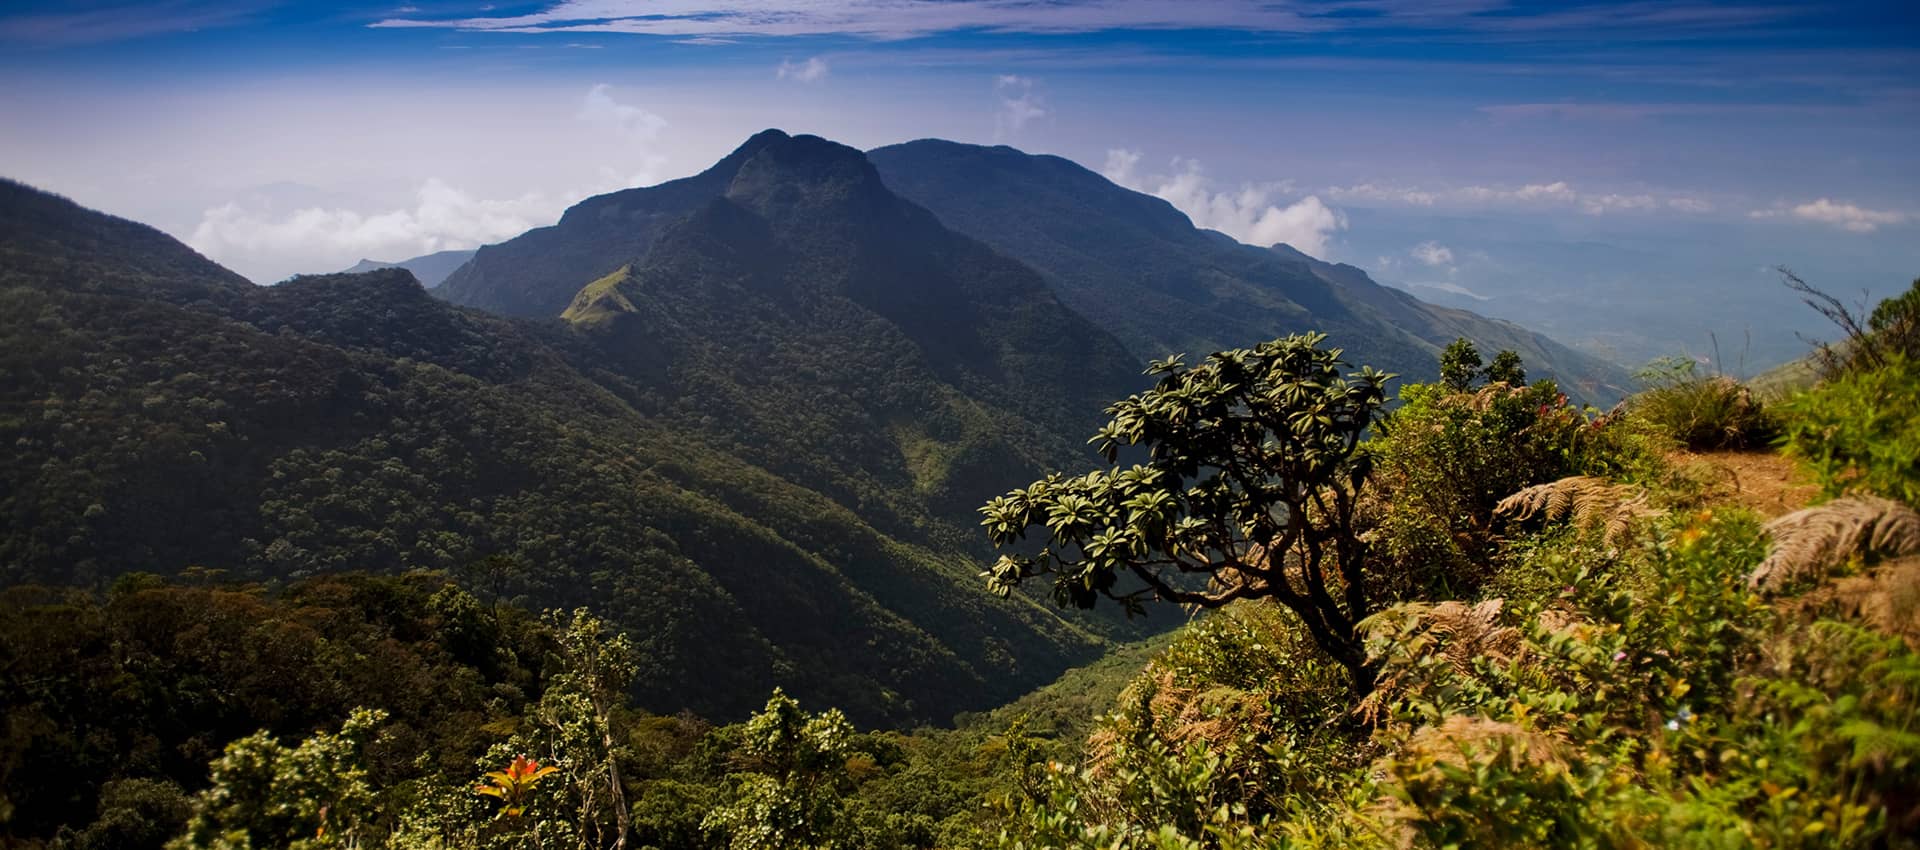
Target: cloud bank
x,y
269,247
1557,193
1248,215
1846,216
268,241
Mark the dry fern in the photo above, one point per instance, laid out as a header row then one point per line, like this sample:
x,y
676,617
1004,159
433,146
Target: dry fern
x,y
1887,599
1180,716
1457,631
1810,544
1461,743
1590,503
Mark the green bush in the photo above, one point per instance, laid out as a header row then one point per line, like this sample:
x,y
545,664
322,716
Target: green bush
x,y
1861,431
1444,458
1700,412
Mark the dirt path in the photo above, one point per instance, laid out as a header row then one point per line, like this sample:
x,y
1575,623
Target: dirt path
x,y
1761,480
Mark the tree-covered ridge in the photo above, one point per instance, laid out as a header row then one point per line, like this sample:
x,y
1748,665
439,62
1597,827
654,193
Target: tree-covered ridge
x,y
843,338
353,422
1140,269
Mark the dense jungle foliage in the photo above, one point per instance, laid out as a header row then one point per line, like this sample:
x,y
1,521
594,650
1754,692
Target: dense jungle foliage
x,y
163,414
1636,672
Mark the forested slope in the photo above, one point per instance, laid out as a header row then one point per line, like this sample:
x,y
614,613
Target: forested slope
x,y
164,413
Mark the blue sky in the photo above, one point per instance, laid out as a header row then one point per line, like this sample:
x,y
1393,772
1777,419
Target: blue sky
x,y
1410,138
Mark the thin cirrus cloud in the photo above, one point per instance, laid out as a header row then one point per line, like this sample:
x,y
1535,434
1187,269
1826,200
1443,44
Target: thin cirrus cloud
x,y
1249,215
105,23
899,19
1845,216
1558,193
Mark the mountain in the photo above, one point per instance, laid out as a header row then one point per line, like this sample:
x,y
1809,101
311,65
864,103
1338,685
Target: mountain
x,y
1138,267
885,352
431,269
750,450
537,273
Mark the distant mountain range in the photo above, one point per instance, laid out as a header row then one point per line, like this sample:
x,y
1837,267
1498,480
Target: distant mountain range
x,y
430,269
1130,262
748,415
1139,268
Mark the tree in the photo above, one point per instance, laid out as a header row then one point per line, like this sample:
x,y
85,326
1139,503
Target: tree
x,y
578,714
1252,479
265,794
1459,364
788,797
1506,369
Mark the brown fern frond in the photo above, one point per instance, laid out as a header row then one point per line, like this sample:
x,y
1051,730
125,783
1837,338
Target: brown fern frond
x,y
1812,543
1592,504
1179,716
1456,631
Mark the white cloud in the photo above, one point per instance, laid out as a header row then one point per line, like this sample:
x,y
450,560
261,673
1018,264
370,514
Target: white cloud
x,y
1602,204
268,236
1850,217
811,71
1248,215
1020,104
878,19
1373,192
600,109
1529,195
900,19
1555,192
268,247
1433,254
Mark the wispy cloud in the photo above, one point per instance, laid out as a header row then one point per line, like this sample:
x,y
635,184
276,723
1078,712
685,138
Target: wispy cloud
x,y
1846,216
1249,214
811,71
599,108
102,24
1020,104
1433,254
895,19
1599,111
268,238
1556,193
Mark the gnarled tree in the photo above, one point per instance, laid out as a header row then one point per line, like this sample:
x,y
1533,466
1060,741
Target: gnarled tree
x,y
1249,490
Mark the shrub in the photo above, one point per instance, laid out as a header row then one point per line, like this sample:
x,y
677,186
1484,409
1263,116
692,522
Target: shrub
x,y
1443,460
1861,431
1700,412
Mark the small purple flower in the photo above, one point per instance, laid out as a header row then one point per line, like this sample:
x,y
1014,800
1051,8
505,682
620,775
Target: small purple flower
x,y
1620,656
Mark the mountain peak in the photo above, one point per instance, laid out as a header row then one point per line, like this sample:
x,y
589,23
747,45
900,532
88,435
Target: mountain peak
x,y
806,171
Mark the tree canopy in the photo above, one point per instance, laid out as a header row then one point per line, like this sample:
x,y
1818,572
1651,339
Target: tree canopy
x,y
1249,490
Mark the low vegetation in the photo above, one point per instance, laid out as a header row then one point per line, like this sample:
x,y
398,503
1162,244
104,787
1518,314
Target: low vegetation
x,y
1488,618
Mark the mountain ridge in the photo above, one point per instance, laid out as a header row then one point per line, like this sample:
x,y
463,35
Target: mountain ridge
x,y
343,422
431,269
1140,268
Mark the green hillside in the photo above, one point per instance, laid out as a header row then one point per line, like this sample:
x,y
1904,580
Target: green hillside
x,y
165,414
